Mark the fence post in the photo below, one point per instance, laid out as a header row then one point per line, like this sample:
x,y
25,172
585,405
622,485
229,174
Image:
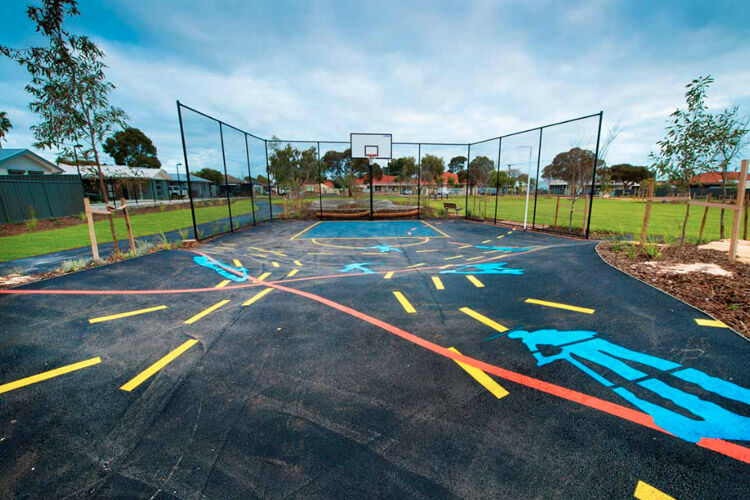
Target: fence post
x,y
419,182
250,179
703,221
320,182
557,209
92,233
466,186
226,180
187,172
497,175
127,224
647,214
738,211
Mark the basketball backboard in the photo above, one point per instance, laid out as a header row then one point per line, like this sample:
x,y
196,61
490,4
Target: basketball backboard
x,y
371,146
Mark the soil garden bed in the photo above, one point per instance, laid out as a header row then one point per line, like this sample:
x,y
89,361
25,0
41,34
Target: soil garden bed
x,y
705,279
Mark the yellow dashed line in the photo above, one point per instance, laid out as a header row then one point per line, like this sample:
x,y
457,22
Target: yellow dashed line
x,y
223,284
486,241
485,380
483,319
465,246
237,263
475,281
644,491
475,258
445,266
206,311
297,263
438,283
557,305
275,264
292,273
711,322
423,251
500,237
454,257
404,303
48,374
416,265
257,296
388,275
151,370
126,314
264,276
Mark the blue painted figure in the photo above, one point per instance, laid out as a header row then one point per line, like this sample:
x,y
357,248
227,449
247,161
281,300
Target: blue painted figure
x,y
358,266
485,268
712,420
385,248
221,268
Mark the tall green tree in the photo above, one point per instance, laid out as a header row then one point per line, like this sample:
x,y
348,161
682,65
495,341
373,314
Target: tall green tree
x,y
457,164
433,168
292,168
729,137
629,174
5,127
576,167
210,174
69,90
133,148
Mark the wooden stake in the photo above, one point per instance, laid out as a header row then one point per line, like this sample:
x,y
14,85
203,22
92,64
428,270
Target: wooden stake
x,y
738,211
92,233
747,204
647,214
585,211
127,224
557,209
703,221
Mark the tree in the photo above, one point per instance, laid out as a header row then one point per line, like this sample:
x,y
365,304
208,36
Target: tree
x,y
480,169
432,168
629,174
210,174
687,149
5,127
729,139
293,168
68,87
576,167
457,164
133,148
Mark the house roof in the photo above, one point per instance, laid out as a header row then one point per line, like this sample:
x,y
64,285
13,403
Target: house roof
x,y
118,172
7,154
183,178
713,178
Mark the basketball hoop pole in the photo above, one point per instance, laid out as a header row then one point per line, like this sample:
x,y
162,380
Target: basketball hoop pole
x,y
371,160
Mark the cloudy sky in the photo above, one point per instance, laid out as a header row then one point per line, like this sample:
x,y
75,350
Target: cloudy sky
x,y
424,70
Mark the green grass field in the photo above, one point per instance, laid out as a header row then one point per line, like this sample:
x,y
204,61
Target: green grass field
x,y
616,216
64,238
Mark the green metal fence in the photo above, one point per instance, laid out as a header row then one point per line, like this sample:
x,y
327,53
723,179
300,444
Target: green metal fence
x,y
24,197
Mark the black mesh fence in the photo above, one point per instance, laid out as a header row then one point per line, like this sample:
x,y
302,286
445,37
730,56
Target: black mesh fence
x,y
542,178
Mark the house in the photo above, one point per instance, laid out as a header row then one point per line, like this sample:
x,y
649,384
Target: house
x,y
201,188
389,184
131,183
325,187
710,183
25,162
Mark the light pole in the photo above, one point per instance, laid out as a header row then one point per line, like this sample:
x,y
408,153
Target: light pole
x,y
179,184
76,147
528,184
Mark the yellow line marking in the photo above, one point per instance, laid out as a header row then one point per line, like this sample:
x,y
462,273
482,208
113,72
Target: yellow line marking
x,y
486,241
438,283
264,276
370,253
445,266
492,251
126,314
465,246
416,265
388,275
475,281
223,284
49,374
257,296
320,253
423,251
644,491
584,310
483,319
297,263
475,258
206,311
501,237
711,322
404,303
305,230
435,229
237,263
454,257
292,273
151,370
485,380
275,264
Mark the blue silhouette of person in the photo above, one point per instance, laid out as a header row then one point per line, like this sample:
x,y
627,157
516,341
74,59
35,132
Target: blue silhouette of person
x,y
358,266
713,421
221,268
485,268
385,248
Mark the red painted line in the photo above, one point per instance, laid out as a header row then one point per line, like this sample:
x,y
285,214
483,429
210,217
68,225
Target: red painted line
x,y
724,447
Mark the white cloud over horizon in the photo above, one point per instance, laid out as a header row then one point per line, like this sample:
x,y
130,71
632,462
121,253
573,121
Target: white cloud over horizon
x,y
428,72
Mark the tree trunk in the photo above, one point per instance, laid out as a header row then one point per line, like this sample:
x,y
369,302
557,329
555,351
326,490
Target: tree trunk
x,y
103,188
684,223
723,198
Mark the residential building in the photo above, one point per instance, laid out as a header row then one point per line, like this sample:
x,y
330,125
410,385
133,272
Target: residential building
x,y
25,162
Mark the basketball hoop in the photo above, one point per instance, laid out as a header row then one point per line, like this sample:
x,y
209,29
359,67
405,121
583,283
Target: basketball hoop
x,y
371,157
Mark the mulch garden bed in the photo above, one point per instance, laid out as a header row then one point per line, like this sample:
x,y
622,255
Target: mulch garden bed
x,y
727,298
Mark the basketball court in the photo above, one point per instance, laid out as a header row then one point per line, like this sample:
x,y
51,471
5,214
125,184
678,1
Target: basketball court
x,y
404,358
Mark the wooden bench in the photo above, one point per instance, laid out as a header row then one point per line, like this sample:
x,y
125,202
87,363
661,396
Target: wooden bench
x,y
451,206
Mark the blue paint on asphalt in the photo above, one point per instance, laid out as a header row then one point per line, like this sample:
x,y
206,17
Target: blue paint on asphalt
x,y
213,264
385,248
364,229
358,266
713,421
485,268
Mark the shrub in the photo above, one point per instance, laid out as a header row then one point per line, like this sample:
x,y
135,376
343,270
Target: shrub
x,y
69,266
632,251
183,234
82,216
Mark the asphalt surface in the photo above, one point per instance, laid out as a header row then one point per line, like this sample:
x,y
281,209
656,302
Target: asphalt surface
x,y
318,389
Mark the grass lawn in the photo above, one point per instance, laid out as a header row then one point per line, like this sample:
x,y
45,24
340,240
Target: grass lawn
x,y
42,242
